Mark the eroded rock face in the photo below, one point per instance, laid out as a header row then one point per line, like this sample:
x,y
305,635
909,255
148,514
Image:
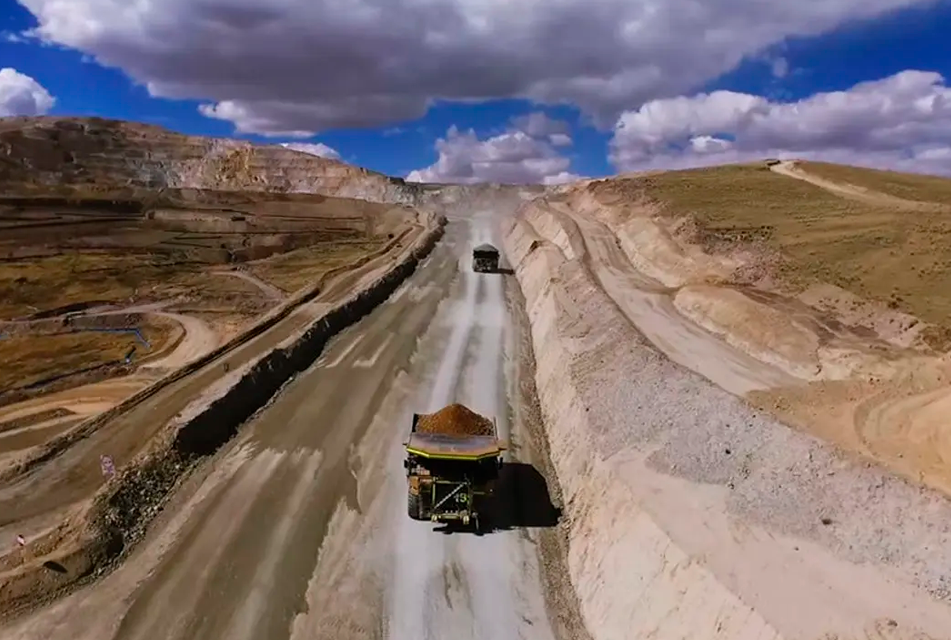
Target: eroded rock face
x,y
49,153
90,157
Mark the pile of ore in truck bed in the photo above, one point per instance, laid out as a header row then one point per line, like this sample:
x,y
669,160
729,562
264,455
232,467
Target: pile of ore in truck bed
x,y
455,420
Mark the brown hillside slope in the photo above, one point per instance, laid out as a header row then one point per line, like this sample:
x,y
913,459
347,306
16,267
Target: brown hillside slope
x,y
851,297
44,155
89,157
109,227
877,251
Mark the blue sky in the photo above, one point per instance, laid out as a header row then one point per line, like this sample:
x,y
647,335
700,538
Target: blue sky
x,y
854,51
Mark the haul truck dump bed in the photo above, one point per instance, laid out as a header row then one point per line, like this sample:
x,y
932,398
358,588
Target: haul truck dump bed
x,y
453,457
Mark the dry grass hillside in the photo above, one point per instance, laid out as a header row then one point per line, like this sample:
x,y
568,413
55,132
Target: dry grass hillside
x,y
876,251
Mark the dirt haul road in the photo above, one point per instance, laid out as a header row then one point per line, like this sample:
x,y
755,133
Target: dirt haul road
x,y
791,169
299,529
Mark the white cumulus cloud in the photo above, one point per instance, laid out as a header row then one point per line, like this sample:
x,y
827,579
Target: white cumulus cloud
x,y
513,157
301,66
246,121
525,154
313,148
21,95
901,122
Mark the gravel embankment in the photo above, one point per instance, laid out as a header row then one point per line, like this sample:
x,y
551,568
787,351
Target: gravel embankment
x,y
668,476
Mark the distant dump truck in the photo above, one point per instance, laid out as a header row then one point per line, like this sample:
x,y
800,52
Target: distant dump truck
x,y
485,259
453,457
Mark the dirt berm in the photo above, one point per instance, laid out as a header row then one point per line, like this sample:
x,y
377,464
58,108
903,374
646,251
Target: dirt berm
x,y
122,510
690,514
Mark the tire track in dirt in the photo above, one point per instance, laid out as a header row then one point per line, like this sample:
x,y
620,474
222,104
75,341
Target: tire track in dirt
x,y
791,169
479,587
198,340
298,421
207,542
266,288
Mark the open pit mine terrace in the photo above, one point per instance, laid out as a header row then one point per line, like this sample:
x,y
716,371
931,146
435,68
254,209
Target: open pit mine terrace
x,y
692,453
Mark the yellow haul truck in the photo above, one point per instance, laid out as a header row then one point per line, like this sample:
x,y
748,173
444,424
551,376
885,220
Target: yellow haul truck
x,y
485,259
453,458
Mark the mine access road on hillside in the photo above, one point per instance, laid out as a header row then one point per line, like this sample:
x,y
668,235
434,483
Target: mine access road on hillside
x,y
298,529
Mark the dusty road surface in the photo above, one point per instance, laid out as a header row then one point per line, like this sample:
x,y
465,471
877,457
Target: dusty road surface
x,y
793,170
266,288
199,339
299,529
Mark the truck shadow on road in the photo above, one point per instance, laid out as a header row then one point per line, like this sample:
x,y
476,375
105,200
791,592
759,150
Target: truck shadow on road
x,y
521,500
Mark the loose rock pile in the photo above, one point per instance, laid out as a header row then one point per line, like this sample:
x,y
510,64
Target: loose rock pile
x,y
455,420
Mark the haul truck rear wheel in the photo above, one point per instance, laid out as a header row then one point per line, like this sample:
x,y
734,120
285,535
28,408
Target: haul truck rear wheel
x,y
412,505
